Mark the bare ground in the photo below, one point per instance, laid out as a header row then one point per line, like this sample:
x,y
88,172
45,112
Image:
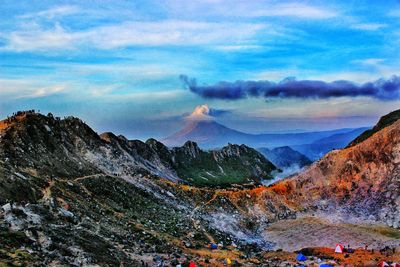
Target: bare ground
x,y
310,231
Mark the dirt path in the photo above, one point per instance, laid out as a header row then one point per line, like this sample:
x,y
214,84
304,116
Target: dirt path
x,y
47,190
87,176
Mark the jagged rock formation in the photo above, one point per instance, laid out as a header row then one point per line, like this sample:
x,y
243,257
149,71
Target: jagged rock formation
x,y
231,164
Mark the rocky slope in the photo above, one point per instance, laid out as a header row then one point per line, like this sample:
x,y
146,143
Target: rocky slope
x,y
362,180
385,121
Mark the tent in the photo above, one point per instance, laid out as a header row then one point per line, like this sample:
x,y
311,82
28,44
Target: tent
x,y
192,264
384,264
214,246
395,264
301,257
325,265
228,261
339,248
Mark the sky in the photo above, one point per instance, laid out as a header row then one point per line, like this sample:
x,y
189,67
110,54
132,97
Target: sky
x,y
138,68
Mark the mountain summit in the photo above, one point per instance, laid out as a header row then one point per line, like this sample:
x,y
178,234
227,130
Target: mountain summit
x,y
202,128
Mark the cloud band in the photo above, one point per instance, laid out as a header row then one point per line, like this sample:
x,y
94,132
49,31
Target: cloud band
x,y
383,89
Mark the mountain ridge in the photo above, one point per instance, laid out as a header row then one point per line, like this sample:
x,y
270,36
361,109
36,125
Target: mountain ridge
x,y
210,134
71,138
383,122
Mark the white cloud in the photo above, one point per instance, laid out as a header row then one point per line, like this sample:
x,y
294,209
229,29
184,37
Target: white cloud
x,y
369,61
368,26
17,89
52,12
296,10
274,74
45,91
170,32
40,39
394,13
30,88
149,96
229,48
240,8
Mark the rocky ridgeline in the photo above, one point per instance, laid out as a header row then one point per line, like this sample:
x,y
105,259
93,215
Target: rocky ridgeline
x,y
68,147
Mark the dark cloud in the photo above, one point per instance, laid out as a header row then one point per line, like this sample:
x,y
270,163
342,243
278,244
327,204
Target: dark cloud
x,y
383,89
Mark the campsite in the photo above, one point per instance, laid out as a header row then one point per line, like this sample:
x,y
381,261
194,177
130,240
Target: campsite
x,y
310,257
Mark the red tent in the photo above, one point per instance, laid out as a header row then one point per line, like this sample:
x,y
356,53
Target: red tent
x,y
339,248
383,264
395,264
192,264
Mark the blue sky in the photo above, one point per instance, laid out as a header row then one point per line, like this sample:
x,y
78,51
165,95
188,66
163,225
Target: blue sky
x,y
116,64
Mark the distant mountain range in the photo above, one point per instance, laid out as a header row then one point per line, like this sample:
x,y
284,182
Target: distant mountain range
x,y
285,157
209,134
320,147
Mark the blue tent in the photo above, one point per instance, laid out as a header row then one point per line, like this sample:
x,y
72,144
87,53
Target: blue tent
x,y
301,257
214,246
325,265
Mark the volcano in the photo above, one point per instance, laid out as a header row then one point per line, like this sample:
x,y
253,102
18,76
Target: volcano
x,y
201,127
